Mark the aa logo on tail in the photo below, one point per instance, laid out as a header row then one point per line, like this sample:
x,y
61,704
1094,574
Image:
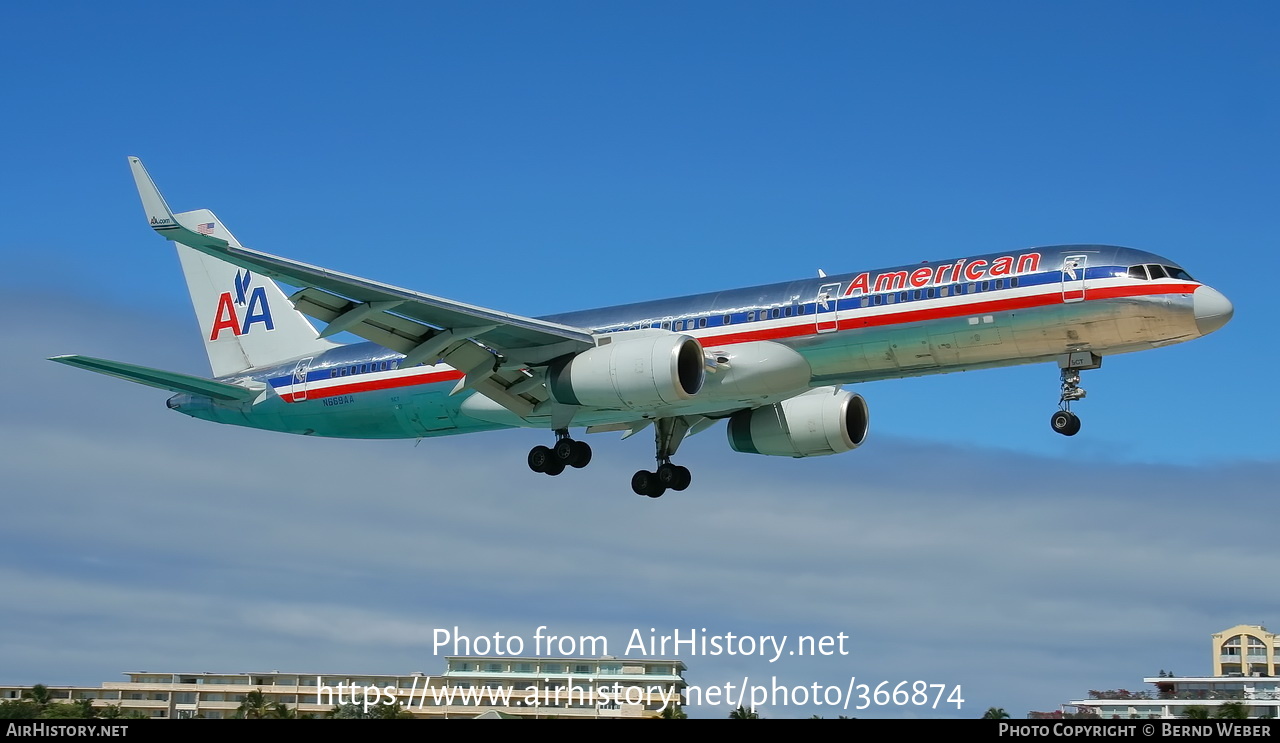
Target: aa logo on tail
x,y
254,303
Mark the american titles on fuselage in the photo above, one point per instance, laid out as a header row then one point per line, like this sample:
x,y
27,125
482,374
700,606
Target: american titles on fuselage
x,y
943,273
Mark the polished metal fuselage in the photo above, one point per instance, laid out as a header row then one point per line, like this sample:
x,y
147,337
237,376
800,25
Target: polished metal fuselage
x,y
928,318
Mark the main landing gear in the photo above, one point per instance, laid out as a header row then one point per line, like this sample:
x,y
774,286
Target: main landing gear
x,y
668,433
1064,421
565,453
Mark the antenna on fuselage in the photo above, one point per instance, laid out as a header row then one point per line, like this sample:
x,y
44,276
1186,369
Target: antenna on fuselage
x,y
822,274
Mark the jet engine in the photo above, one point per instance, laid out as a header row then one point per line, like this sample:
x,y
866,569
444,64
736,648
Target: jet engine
x,y
826,420
631,370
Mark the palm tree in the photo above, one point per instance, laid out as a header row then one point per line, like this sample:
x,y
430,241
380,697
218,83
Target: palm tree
x,y
255,706
673,712
392,711
1196,712
1232,711
742,713
38,694
19,709
995,713
349,711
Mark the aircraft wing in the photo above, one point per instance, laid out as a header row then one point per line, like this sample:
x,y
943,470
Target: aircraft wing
x,y
421,326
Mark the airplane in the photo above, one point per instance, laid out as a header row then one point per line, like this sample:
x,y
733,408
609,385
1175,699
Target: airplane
x,y
771,360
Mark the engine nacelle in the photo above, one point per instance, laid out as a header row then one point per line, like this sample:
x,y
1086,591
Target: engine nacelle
x,y
827,420
757,371
634,369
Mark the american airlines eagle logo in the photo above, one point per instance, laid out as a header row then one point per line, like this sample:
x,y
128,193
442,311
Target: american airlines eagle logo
x,y
253,300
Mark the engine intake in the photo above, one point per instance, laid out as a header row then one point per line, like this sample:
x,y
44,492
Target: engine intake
x,y
827,420
635,369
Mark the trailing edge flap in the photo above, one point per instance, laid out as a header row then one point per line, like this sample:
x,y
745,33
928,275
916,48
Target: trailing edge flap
x,y
165,380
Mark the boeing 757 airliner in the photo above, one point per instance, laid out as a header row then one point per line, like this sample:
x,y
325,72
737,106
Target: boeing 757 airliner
x,y
768,359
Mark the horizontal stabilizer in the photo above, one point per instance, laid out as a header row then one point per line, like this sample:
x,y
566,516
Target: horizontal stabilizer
x,y
165,380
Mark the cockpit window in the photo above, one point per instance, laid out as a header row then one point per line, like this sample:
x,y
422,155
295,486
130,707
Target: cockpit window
x,y
1138,272
1157,272
1178,273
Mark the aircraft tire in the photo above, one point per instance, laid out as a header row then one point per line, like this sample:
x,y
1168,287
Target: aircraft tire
x,y
685,477
645,482
668,475
539,456
554,467
581,455
1065,422
565,450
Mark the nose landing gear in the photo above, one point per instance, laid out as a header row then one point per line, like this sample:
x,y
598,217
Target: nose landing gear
x,y
1064,421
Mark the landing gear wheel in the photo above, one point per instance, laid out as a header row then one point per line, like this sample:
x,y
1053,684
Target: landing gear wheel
x,y
668,475
564,450
674,476
685,477
1065,422
645,482
581,455
554,467
539,456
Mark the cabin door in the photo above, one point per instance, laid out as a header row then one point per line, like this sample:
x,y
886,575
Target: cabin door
x,y
1073,267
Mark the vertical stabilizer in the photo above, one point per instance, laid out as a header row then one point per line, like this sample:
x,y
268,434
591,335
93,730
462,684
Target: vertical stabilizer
x,y
245,319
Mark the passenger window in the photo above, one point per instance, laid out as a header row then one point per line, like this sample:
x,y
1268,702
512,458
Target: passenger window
x,y
787,311
986,285
1013,281
774,313
1157,272
972,288
1138,272
726,319
944,291
919,294
702,322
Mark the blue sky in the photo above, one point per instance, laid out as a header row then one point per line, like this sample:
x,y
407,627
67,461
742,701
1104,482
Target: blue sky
x,y
554,157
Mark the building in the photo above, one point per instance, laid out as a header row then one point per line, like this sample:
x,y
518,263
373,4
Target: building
x,y
1246,650
470,686
1246,669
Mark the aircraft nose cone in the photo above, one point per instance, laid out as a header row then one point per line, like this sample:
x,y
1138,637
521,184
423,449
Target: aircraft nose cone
x,y
1211,308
